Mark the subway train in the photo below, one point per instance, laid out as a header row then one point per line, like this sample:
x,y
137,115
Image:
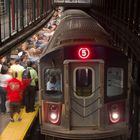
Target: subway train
x,y
83,82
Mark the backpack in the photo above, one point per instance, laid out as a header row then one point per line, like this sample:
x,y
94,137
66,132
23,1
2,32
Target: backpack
x,y
26,77
26,74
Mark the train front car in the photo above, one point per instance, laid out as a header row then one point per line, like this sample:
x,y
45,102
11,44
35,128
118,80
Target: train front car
x,y
83,82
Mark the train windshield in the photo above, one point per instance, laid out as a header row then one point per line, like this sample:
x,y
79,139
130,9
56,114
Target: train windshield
x,y
53,79
115,78
83,82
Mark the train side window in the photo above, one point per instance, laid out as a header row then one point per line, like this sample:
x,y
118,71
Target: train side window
x,y
71,1
83,80
53,80
115,78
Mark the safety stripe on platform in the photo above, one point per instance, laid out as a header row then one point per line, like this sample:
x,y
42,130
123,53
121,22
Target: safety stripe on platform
x,y
17,130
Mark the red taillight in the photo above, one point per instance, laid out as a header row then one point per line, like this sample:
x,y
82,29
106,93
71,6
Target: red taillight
x,y
116,112
53,113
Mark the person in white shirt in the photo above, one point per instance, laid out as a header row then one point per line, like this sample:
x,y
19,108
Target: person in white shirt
x,y
4,77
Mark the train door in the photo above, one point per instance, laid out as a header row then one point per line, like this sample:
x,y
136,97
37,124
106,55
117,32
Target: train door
x,y
86,85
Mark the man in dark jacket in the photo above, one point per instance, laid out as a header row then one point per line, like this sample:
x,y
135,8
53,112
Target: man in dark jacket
x,y
30,92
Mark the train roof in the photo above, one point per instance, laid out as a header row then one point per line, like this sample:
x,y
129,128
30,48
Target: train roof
x,y
74,12
77,27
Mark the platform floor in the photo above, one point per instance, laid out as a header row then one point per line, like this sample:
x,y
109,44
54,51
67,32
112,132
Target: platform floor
x,y
4,120
16,130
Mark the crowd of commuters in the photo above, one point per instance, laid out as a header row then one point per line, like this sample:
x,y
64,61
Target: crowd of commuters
x,y
14,89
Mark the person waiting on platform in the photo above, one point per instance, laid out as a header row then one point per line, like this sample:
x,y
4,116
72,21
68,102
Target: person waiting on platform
x,y
17,68
30,91
51,84
4,77
14,94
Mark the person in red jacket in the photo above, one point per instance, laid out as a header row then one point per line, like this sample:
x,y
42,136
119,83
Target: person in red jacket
x,y
14,94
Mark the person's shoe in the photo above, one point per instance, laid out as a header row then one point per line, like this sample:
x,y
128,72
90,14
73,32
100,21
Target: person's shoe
x,y
19,119
32,110
22,106
11,120
8,112
27,111
2,113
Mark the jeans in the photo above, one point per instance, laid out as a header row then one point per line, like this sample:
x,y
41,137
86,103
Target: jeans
x,y
30,98
3,99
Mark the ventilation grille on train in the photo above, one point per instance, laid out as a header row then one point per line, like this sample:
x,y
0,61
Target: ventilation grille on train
x,y
76,40
2,8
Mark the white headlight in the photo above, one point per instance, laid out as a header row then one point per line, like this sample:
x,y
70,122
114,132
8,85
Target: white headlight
x,y
115,115
53,116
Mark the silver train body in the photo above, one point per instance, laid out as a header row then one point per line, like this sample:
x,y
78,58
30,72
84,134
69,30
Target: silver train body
x,y
87,95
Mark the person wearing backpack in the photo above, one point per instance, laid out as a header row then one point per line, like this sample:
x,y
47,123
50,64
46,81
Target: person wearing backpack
x,y
30,91
26,79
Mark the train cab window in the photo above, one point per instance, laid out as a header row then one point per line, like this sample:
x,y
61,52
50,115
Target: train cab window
x,y
53,80
115,78
83,81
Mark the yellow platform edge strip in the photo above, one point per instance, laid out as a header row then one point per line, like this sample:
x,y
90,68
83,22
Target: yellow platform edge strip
x,y
17,130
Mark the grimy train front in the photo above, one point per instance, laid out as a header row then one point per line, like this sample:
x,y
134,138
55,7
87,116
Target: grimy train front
x,y
83,82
